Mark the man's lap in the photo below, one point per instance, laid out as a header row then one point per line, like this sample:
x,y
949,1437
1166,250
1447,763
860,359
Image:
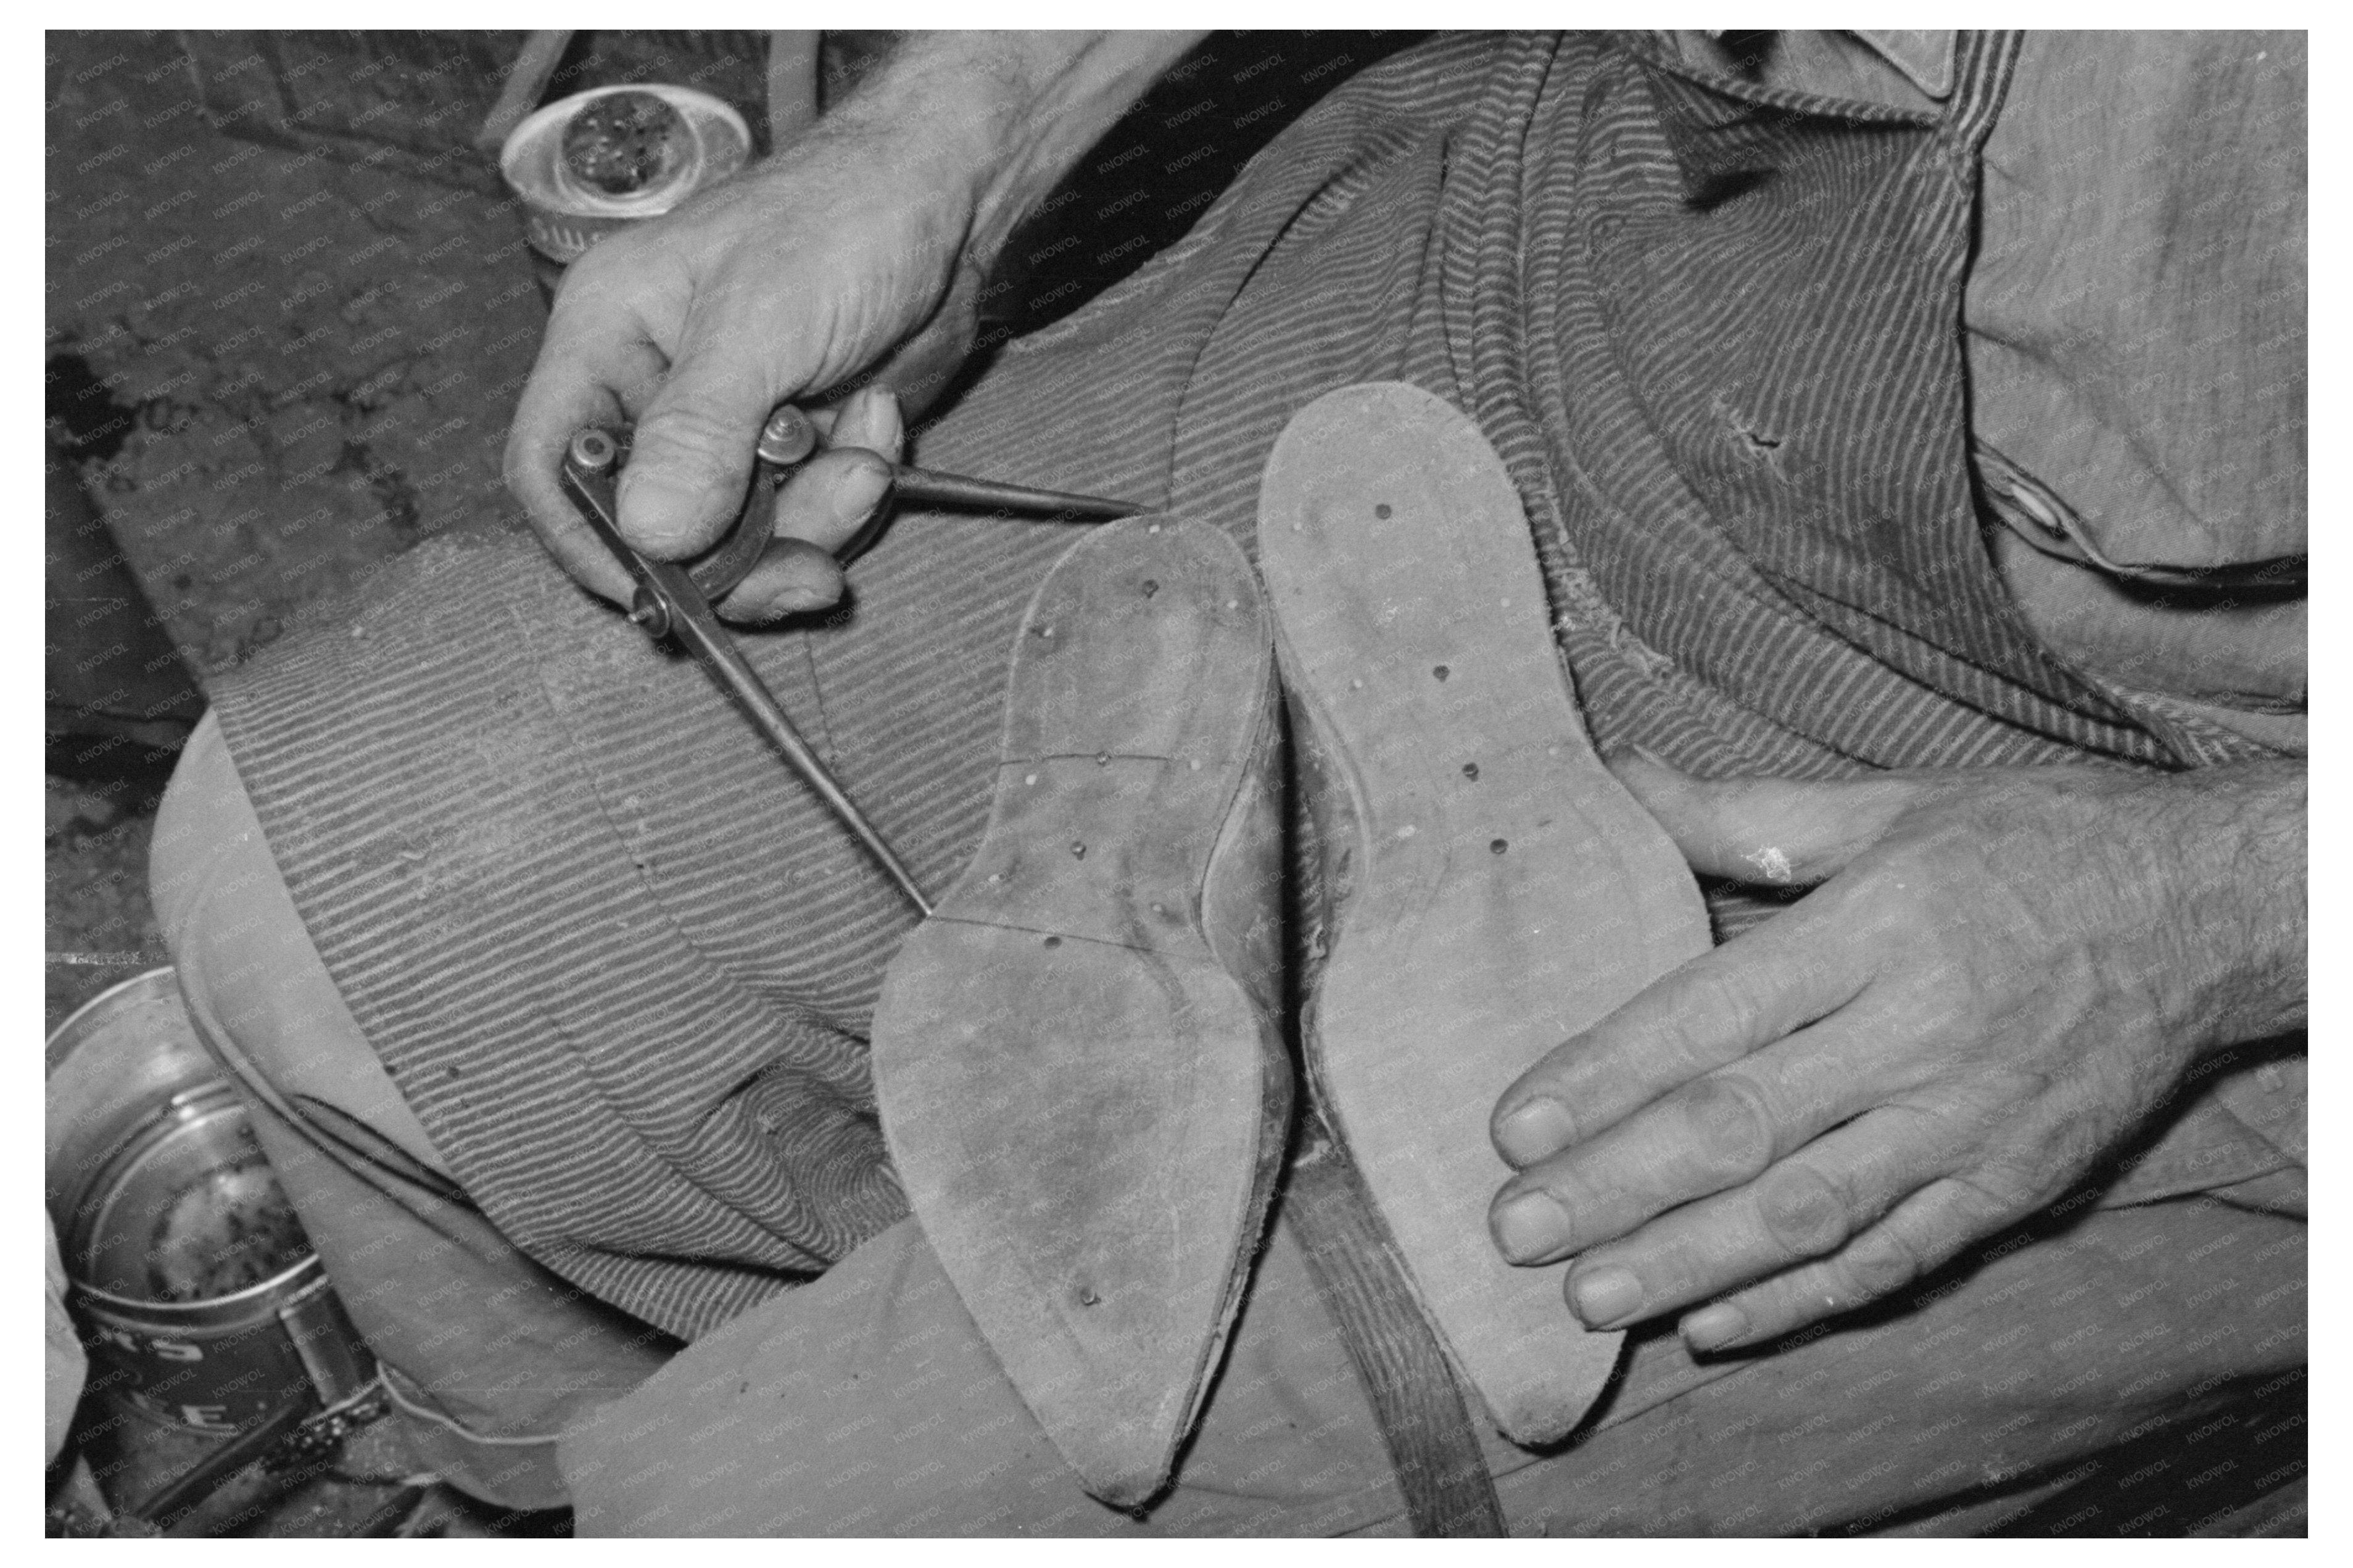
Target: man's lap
x,y
485,1353
866,1404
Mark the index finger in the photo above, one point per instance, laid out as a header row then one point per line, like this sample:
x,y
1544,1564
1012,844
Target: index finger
x,y
1765,983
584,376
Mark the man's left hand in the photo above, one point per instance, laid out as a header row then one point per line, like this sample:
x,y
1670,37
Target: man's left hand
x,y
2002,972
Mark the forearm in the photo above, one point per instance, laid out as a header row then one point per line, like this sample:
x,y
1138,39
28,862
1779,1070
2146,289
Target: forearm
x,y
2229,848
1001,116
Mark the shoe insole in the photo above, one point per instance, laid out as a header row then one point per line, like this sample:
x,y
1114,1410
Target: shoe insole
x,y
1085,1105
1501,891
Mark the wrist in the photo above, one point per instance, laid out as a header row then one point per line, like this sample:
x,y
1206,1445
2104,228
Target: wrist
x,y
988,123
1072,105
2235,840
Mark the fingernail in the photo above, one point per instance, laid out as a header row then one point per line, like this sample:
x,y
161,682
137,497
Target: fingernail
x,y
1530,1226
1604,1296
887,412
1537,1130
855,495
856,412
793,601
1711,1326
657,513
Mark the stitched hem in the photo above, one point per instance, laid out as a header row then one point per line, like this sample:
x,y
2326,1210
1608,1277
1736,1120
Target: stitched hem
x,y
409,1406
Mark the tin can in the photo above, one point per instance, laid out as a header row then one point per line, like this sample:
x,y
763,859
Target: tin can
x,y
201,1303
563,213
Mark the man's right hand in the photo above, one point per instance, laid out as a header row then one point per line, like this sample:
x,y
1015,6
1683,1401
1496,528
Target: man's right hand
x,y
836,256
853,255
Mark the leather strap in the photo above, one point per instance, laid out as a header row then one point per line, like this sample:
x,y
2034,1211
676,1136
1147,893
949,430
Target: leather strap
x,y
1424,1419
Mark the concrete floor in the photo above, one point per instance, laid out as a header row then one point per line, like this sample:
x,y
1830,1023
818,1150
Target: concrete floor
x,y
278,366
296,367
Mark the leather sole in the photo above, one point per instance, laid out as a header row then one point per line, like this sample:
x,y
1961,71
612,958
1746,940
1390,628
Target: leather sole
x,y
1085,1101
1495,890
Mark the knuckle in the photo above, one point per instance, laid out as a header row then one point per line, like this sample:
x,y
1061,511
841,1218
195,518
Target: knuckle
x,y
1882,1260
690,429
524,466
514,466
2074,1145
1729,1121
1996,1193
595,264
1803,1210
1531,1122
1586,1206
1716,1018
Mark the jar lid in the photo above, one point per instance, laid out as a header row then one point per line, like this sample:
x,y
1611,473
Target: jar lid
x,y
566,213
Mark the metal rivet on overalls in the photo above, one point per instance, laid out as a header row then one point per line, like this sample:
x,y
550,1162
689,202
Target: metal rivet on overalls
x,y
1497,846
1150,587
1440,671
1470,770
1087,1296
1381,510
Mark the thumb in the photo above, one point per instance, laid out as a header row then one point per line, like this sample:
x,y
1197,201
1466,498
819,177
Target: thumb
x,y
690,453
1782,832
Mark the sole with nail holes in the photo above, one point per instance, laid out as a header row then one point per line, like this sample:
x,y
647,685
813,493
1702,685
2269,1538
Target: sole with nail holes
x,y
1489,889
1080,1077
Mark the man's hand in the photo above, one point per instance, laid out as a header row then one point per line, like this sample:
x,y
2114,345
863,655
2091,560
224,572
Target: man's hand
x,y
693,328
2004,972
853,254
